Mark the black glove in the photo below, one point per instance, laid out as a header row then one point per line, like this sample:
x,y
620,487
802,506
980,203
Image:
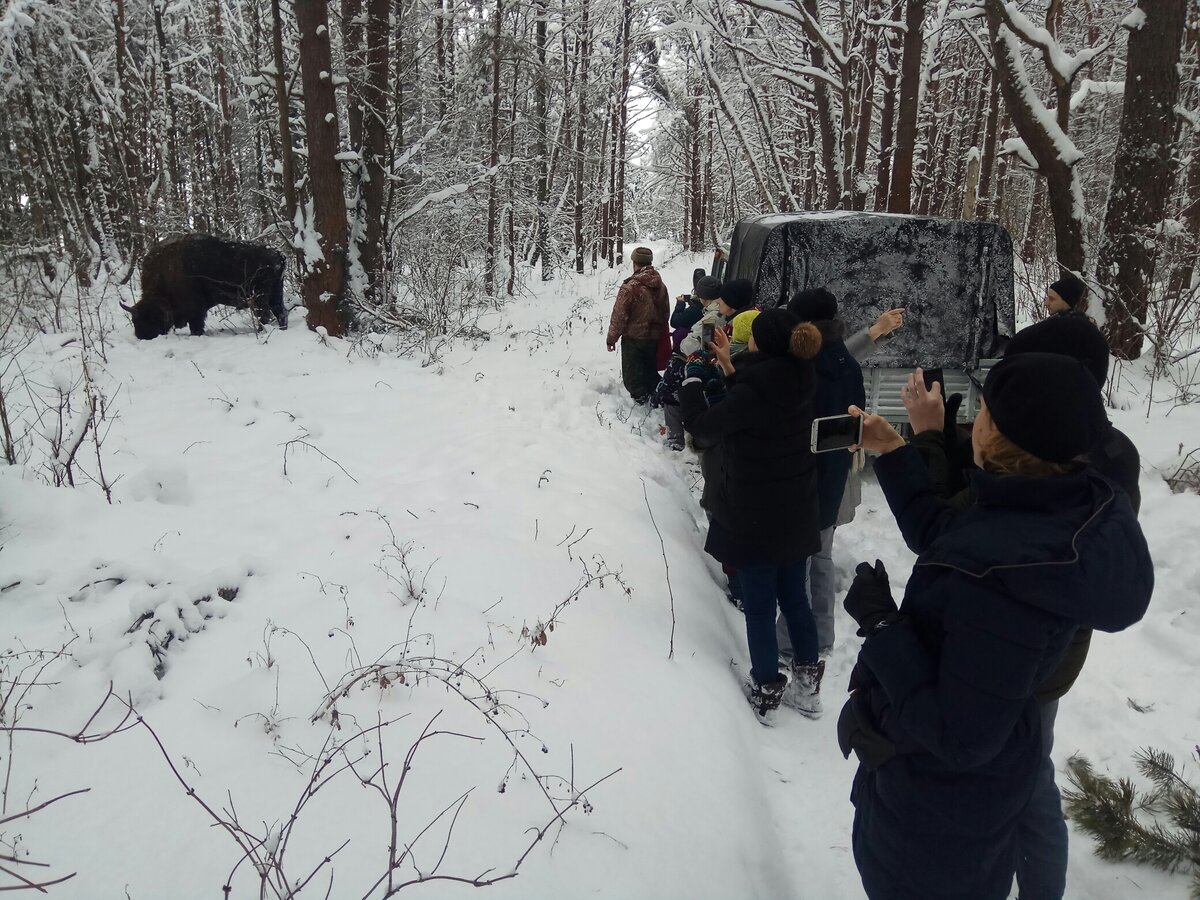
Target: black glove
x,y
869,600
859,734
956,464
950,423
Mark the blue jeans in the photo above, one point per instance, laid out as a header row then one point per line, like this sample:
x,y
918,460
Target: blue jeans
x,y
821,576
1042,830
765,588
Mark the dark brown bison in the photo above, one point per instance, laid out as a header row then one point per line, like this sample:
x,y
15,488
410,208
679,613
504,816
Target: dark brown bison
x,y
182,279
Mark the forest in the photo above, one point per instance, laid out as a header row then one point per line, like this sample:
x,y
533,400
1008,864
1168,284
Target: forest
x,y
420,158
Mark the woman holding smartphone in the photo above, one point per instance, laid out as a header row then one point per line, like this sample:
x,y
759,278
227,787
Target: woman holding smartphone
x,y
942,715
765,516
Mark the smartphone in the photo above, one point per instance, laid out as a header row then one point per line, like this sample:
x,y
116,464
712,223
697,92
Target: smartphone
x,y
932,377
836,433
706,336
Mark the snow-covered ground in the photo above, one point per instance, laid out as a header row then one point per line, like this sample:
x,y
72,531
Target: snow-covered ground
x,y
289,512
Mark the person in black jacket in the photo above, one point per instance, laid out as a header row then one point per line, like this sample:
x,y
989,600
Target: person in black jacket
x,y
765,520
839,385
1042,837
942,714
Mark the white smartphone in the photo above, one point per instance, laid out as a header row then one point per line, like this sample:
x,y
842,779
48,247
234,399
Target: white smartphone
x,y
836,433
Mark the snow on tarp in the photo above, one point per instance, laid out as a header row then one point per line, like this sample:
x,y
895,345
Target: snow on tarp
x,y
954,278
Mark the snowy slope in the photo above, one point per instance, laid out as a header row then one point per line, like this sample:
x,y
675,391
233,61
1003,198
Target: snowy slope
x,y
424,517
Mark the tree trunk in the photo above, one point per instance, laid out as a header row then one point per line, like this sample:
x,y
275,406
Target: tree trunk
x,y
1063,191
866,103
489,271
626,29
900,198
287,159
583,49
227,207
170,141
325,279
352,44
986,208
829,126
375,149
439,43
1142,173
887,131
540,150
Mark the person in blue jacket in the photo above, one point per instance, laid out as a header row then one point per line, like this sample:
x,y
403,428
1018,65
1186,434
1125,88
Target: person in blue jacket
x,y
839,385
943,715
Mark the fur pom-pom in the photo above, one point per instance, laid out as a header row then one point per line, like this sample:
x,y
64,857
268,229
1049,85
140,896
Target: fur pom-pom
x,y
805,342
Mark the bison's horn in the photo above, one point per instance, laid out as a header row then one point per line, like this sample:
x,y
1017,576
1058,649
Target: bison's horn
x,y
128,309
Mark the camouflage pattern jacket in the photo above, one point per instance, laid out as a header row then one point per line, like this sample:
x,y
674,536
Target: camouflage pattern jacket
x,y
642,308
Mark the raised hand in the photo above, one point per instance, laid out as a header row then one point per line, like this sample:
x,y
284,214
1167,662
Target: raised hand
x,y
887,323
926,408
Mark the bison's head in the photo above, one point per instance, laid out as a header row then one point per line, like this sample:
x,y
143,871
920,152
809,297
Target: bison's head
x,y
149,321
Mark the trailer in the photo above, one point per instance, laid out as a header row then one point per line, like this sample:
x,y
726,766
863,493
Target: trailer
x,y
953,277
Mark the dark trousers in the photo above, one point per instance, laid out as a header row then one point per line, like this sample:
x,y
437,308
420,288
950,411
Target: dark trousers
x,y
673,416
1042,830
764,588
639,366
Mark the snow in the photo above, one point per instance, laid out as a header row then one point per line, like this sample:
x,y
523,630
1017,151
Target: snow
x,y
290,508
1136,19
1065,149
1088,87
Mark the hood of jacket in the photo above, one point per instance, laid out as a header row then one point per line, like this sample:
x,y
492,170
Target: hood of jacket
x,y
647,278
834,361
1070,545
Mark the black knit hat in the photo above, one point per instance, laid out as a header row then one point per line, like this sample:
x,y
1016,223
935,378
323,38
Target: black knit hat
x,y
1047,404
1071,334
1070,288
738,293
707,288
642,256
772,331
814,305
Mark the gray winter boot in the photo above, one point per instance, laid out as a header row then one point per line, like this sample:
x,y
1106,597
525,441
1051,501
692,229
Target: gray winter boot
x,y
803,692
765,698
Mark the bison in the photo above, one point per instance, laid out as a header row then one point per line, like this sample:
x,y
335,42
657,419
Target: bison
x,y
183,279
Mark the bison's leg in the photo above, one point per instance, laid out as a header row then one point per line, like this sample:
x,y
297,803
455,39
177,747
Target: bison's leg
x,y
277,306
196,322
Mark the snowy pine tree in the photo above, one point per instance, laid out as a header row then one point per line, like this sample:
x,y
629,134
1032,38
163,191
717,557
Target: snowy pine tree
x,y
1158,827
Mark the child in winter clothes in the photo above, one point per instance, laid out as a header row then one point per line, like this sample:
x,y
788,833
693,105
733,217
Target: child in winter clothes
x,y
689,308
943,716
764,518
739,337
688,312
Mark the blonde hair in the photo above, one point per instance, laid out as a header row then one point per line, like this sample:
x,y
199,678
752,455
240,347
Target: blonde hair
x,y
1001,456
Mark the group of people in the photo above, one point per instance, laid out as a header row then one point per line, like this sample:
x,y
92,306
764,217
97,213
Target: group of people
x,y
1025,528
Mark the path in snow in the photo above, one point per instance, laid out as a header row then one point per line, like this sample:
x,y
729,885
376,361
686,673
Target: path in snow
x,y
501,471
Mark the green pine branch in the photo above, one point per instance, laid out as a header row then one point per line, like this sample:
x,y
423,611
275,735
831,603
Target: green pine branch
x,y
1159,826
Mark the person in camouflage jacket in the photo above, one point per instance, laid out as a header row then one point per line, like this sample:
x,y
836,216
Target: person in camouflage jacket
x,y
639,321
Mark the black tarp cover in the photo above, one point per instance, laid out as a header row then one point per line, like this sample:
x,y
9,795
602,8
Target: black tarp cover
x,y
954,277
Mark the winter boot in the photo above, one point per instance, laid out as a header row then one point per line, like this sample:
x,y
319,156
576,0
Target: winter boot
x,y
803,692
765,698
